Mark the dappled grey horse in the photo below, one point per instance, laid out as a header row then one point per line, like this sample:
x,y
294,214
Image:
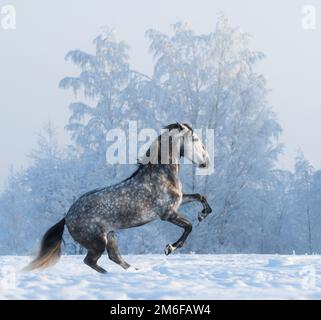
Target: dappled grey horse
x,y
153,191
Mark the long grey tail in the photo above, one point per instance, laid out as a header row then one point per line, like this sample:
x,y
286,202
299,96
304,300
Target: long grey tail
x,y
50,248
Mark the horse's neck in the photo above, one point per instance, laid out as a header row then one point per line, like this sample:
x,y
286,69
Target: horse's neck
x,y
170,171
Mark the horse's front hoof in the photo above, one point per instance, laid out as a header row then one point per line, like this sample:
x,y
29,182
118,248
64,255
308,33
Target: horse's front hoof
x,y
203,214
169,249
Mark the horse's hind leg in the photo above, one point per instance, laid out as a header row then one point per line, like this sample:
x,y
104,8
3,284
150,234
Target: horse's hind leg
x,y
113,252
93,254
92,258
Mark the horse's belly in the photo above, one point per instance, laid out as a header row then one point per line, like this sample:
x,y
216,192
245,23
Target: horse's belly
x,y
134,218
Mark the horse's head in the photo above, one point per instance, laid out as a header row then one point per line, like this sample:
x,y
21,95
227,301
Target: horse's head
x,y
178,141
192,147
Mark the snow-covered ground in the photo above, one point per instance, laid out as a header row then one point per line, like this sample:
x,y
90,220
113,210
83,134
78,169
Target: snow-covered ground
x,y
174,277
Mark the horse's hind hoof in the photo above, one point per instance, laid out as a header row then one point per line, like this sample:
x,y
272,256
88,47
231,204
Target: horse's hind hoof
x,y
100,270
169,249
131,268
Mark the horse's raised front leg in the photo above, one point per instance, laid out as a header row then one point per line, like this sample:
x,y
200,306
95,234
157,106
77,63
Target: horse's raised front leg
x,y
182,222
113,252
200,198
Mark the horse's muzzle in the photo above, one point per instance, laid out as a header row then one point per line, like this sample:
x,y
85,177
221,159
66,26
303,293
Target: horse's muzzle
x,y
204,165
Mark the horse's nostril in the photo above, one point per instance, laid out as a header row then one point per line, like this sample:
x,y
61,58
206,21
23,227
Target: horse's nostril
x,y
203,165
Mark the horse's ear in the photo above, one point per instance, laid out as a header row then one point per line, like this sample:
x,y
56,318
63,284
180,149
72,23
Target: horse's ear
x,y
180,127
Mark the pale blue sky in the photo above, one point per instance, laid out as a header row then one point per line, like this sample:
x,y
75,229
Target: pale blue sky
x,y
32,61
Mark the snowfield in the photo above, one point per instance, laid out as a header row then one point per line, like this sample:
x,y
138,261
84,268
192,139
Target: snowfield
x,y
179,276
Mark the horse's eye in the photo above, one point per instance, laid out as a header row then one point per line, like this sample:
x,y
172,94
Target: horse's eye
x,y
194,139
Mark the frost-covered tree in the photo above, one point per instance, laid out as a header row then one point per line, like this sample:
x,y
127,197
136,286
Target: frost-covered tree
x,y
299,234
315,212
111,93
302,191
38,196
279,203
